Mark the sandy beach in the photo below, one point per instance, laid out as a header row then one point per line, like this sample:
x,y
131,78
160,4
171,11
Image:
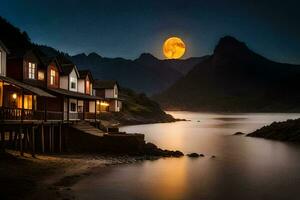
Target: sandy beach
x,y
50,176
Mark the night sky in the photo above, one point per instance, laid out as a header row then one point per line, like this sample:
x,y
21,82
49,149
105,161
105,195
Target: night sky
x,y
129,28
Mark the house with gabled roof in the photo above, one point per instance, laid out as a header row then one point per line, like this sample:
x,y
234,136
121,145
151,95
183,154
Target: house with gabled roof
x,y
20,88
109,90
75,89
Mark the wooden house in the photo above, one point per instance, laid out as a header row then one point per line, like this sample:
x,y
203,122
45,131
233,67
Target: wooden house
x,y
19,92
77,99
35,69
109,90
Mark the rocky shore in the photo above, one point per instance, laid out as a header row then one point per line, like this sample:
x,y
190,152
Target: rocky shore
x,y
52,176
284,131
125,118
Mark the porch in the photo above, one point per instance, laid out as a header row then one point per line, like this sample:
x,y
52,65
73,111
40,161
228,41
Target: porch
x,y
77,106
18,102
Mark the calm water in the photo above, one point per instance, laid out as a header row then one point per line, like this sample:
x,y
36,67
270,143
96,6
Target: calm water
x,y
244,168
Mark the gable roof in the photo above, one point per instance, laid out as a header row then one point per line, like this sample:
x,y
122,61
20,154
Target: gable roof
x,y
46,61
84,73
66,65
105,84
3,47
67,69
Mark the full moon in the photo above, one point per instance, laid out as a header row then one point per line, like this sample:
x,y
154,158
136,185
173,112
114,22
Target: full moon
x,y
173,48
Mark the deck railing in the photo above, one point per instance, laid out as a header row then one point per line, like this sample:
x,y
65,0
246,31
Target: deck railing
x,y
27,114
15,114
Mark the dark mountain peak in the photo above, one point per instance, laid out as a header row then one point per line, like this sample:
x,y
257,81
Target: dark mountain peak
x,y
82,55
94,55
229,44
147,57
235,79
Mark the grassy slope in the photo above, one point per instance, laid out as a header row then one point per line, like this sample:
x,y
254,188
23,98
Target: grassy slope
x,y
138,109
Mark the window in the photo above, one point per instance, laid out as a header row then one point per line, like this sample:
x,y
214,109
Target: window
x,y
73,107
73,83
41,75
31,70
87,87
28,102
52,77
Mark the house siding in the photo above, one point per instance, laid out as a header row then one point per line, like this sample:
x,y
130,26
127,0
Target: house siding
x,y
3,62
64,82
74,76
109,93
14,69
81,85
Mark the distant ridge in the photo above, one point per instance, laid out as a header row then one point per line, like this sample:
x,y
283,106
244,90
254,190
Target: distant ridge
x,y
236,79
144,74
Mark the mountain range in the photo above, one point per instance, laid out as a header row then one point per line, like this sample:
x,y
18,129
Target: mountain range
x,y
144,74
235,79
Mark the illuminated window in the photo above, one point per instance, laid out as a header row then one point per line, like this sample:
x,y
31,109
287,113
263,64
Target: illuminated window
x,y
28,102
52,77
87,87
31,70
41,75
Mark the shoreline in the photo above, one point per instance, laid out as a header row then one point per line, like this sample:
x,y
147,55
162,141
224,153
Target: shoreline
x,y
52,176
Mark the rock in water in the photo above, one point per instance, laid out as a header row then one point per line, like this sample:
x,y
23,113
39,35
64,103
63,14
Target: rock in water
x,y
239,133
193,155
152,150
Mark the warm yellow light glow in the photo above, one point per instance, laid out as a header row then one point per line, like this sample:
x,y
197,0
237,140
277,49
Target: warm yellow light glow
x,y
174,48
104,103
14,96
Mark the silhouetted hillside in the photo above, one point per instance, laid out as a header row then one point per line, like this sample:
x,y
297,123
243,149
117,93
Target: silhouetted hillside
x,y
13,38
284,131
138,108
144,74
235,78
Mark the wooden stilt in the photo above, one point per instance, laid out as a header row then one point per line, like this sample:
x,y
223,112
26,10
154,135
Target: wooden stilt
x,y
2,136
60,138
53,143
33,142
10,136
50,138
26,139
2,141
43,138
15,140
21,142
